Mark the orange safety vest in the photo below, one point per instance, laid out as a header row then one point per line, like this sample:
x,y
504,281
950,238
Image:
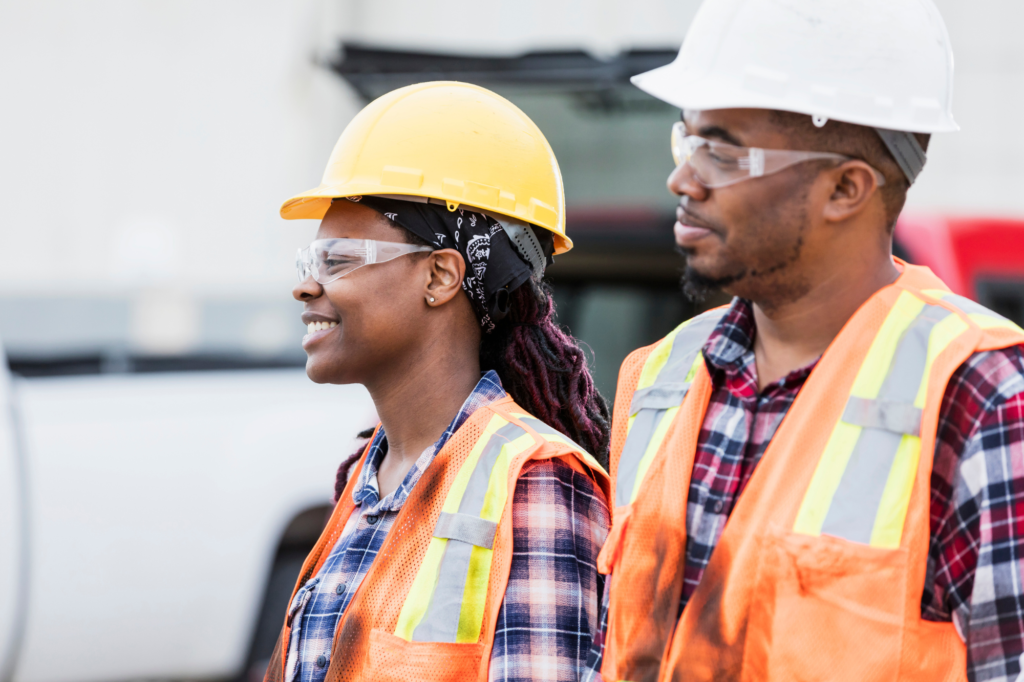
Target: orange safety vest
x,y
427,608
819,571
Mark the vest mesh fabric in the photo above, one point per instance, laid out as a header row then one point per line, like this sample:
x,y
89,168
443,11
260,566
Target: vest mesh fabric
x,y
366,644
774,603
398,561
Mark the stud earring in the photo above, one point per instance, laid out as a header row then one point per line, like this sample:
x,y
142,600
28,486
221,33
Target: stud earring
x,y
431,299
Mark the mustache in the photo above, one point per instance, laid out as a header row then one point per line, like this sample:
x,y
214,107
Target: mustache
x,y
687,217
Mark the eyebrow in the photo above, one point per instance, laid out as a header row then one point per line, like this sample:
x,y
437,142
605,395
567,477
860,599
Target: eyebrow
x,y
720,133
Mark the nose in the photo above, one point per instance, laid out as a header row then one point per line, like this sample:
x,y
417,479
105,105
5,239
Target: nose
x,y
683,182
307,290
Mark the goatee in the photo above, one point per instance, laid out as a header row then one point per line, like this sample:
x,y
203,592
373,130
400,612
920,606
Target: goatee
x,y
697,287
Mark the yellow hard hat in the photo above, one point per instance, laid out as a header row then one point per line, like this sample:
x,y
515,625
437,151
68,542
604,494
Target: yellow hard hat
x,y
456,142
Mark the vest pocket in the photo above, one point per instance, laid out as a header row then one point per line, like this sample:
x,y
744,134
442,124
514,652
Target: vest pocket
x,y
392,659
826,609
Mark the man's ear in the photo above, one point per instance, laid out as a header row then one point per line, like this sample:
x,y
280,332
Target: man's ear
x,y
446,268
855,185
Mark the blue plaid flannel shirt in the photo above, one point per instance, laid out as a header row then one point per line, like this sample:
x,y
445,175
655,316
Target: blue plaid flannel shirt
x,y
545,625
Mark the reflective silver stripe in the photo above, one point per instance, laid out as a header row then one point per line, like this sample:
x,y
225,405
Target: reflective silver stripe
x,y
649,404
883,414
633,452
542,428
970,307
671,386
661,396
441,621
466,528
855,505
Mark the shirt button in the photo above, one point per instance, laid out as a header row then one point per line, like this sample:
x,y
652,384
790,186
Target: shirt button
x,y
718,507
321,661
372,520
340,589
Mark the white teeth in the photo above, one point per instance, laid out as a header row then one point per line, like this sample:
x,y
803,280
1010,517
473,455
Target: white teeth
x,y
319,326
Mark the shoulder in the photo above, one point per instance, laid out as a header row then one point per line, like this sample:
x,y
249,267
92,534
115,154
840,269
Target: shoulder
x,y
551,483
985,382
981,420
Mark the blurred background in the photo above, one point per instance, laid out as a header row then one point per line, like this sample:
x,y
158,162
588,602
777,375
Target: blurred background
x,y
166,464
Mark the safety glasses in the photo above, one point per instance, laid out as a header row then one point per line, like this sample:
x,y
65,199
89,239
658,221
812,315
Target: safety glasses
x,y
328,259
718,164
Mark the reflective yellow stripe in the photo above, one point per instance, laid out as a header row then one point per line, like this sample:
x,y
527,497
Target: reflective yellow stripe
x,y
659,433
458,489
883,347
841,442
892,512
825,481
652,367
938,341
656,360
990,322
653,446
474,596
422,589
559,437
418,600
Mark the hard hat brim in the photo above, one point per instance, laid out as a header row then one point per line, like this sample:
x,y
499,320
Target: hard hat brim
x,y
313,205
672,84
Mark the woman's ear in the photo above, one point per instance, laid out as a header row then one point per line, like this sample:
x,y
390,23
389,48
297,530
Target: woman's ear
x,y
446,268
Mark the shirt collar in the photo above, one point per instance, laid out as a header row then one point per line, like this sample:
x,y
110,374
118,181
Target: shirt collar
x,y
729,354
366,492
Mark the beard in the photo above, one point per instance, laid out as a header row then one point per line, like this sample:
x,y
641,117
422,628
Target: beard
x,y
697,286
758,262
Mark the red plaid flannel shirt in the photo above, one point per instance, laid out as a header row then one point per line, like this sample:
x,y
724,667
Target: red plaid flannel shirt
x,y
974,572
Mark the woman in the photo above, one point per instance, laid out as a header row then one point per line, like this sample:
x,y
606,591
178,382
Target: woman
x,y
463,544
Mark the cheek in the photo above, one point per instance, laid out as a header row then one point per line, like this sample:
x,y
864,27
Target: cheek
x,y
376,310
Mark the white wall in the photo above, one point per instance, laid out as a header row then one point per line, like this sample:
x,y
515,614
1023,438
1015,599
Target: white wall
x,y
980,170
145,145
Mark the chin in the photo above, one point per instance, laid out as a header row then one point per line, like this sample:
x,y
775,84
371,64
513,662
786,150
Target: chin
x,y
325,373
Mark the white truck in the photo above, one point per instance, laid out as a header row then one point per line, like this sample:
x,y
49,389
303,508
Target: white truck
x,y
152,525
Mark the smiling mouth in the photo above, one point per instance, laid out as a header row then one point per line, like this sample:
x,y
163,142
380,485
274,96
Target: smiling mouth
x,y
319,326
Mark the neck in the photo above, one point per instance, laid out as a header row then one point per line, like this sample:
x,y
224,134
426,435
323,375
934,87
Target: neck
x,y
417,399
793,334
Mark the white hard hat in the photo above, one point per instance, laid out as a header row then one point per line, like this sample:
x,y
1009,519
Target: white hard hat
x,y
885,64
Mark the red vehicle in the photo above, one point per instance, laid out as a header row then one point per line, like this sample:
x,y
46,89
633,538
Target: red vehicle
x,y
981,258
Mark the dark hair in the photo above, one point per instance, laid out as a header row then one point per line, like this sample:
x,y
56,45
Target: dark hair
x,y
540,366
545,370
858,141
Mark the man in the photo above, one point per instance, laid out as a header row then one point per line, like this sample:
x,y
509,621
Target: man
x,y
824,480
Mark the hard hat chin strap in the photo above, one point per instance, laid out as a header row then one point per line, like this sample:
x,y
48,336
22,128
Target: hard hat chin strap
x,y
907,151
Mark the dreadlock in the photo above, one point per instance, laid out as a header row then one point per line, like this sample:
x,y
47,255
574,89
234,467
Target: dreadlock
x,y
545,371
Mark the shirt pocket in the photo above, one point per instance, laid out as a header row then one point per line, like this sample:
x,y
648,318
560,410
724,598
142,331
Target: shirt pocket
x,y
302,597
392,659
824,608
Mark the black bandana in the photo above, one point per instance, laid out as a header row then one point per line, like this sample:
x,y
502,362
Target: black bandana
x,y
495,266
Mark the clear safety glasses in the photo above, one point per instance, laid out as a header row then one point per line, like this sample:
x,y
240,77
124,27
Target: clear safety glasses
x,y
718,164
328,259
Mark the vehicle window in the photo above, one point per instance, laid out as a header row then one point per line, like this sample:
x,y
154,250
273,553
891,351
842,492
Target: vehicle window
x,y
612,320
